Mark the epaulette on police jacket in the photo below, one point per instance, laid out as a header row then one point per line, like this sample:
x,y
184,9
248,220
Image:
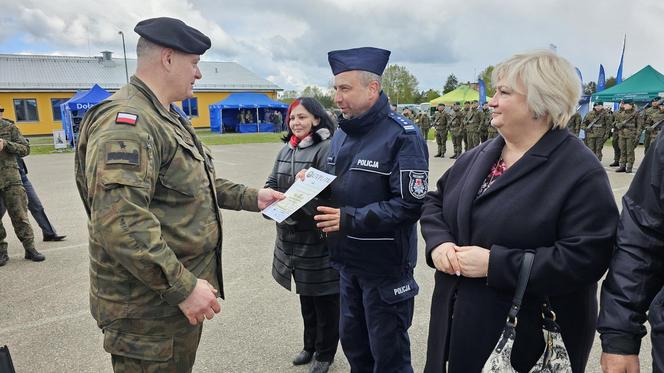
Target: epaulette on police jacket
x,y
406,124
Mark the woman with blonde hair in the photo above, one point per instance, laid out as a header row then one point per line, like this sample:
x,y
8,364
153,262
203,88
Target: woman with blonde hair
x,y
535,188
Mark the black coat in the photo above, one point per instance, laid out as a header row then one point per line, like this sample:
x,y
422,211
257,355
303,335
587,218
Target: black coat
x,y
300,251
635,283
555,200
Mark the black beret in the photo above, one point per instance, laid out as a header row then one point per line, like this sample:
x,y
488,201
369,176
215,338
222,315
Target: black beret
x,y
598,103
457,103
627,101
173,33
368,59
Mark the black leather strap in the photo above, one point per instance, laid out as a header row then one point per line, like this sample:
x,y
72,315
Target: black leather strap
x,y
522,282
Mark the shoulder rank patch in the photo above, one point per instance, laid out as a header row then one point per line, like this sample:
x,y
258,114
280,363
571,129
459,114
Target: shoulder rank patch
x,y
123,152
126,118
406,124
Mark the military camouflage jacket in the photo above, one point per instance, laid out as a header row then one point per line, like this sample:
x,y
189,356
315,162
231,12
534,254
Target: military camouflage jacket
x,y
455,122
423,120
15,145
472,119
628,123
440,121
149,188
601,123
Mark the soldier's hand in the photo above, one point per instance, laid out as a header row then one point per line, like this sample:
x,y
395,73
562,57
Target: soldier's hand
x,y
201,303
613,363
329,220
2,144
267,196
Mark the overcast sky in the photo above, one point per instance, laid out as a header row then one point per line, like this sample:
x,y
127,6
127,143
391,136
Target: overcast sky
x,y
287,41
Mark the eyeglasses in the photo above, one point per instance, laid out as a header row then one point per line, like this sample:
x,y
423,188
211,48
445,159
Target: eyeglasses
x,y
2,110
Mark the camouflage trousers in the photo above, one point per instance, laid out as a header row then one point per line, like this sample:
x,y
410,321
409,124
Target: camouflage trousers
x,y
456,141
152,345
473,138
425,132
441,141
596,144
615,143
16,203
649,138
627,145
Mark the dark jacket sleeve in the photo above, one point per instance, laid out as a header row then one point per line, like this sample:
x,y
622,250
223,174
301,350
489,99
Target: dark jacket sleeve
x,y
581,254
636,274
432,223
402,207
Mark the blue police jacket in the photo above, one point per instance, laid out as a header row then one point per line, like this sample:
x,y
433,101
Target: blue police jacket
x,y
382,165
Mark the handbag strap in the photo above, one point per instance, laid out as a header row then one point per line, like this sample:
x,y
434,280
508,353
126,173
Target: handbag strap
x,y
522,282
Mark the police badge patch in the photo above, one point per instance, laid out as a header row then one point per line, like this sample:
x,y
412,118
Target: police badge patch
x,y
418,183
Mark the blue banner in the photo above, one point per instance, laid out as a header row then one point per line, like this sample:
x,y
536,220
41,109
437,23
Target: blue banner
x,y
620,67
601,79
578,72
480,83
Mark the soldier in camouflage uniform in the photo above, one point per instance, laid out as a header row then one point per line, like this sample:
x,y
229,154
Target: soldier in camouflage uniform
x,y
424,123
574,124
597,125
440,125
12,193
653,125
464,133
149,189
629,128
485,122
455,126
653,110
615,141
472,125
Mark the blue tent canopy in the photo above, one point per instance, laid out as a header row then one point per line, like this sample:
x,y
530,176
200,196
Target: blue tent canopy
x,y
225,112
73,110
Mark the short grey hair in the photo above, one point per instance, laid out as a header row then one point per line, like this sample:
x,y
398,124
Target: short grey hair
x,y
367,77
548,81
144,47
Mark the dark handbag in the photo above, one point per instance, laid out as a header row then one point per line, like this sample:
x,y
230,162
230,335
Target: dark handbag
x,y
6,365
554,358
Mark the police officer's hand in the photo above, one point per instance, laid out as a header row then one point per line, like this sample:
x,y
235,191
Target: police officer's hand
x,y
267,196
329,220
445,259
614,363
474,261
2,144
201,303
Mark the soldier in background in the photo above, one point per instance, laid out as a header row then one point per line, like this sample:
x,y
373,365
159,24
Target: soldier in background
x,y
574,124
629,127
615,141
12,192
472,125
455,125
440,125
596,126
464,133
485,122
653,110
653,125
424,123
152,199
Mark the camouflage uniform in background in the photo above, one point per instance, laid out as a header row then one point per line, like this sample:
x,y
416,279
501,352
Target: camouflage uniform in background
x,y
12,192
440,125
648,117
151,195
574,124
485,123
455,125
629,128
615,140
472,127
653,125
424,123
597,125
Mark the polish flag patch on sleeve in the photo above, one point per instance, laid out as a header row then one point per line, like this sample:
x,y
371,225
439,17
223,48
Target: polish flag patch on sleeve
x,y
126,118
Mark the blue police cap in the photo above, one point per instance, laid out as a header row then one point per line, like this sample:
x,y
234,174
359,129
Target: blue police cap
x,y
366,59
173,33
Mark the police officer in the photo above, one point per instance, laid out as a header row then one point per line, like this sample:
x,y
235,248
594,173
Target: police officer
x,y
424,123
12,192
440,125
596,125
629,127
650,125
472,125
381,163
149,188
455,125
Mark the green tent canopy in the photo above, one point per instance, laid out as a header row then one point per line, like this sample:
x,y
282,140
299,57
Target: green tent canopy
x,y
645,85
461,94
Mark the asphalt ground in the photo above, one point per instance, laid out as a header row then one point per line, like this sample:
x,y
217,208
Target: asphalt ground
x,y
44,314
